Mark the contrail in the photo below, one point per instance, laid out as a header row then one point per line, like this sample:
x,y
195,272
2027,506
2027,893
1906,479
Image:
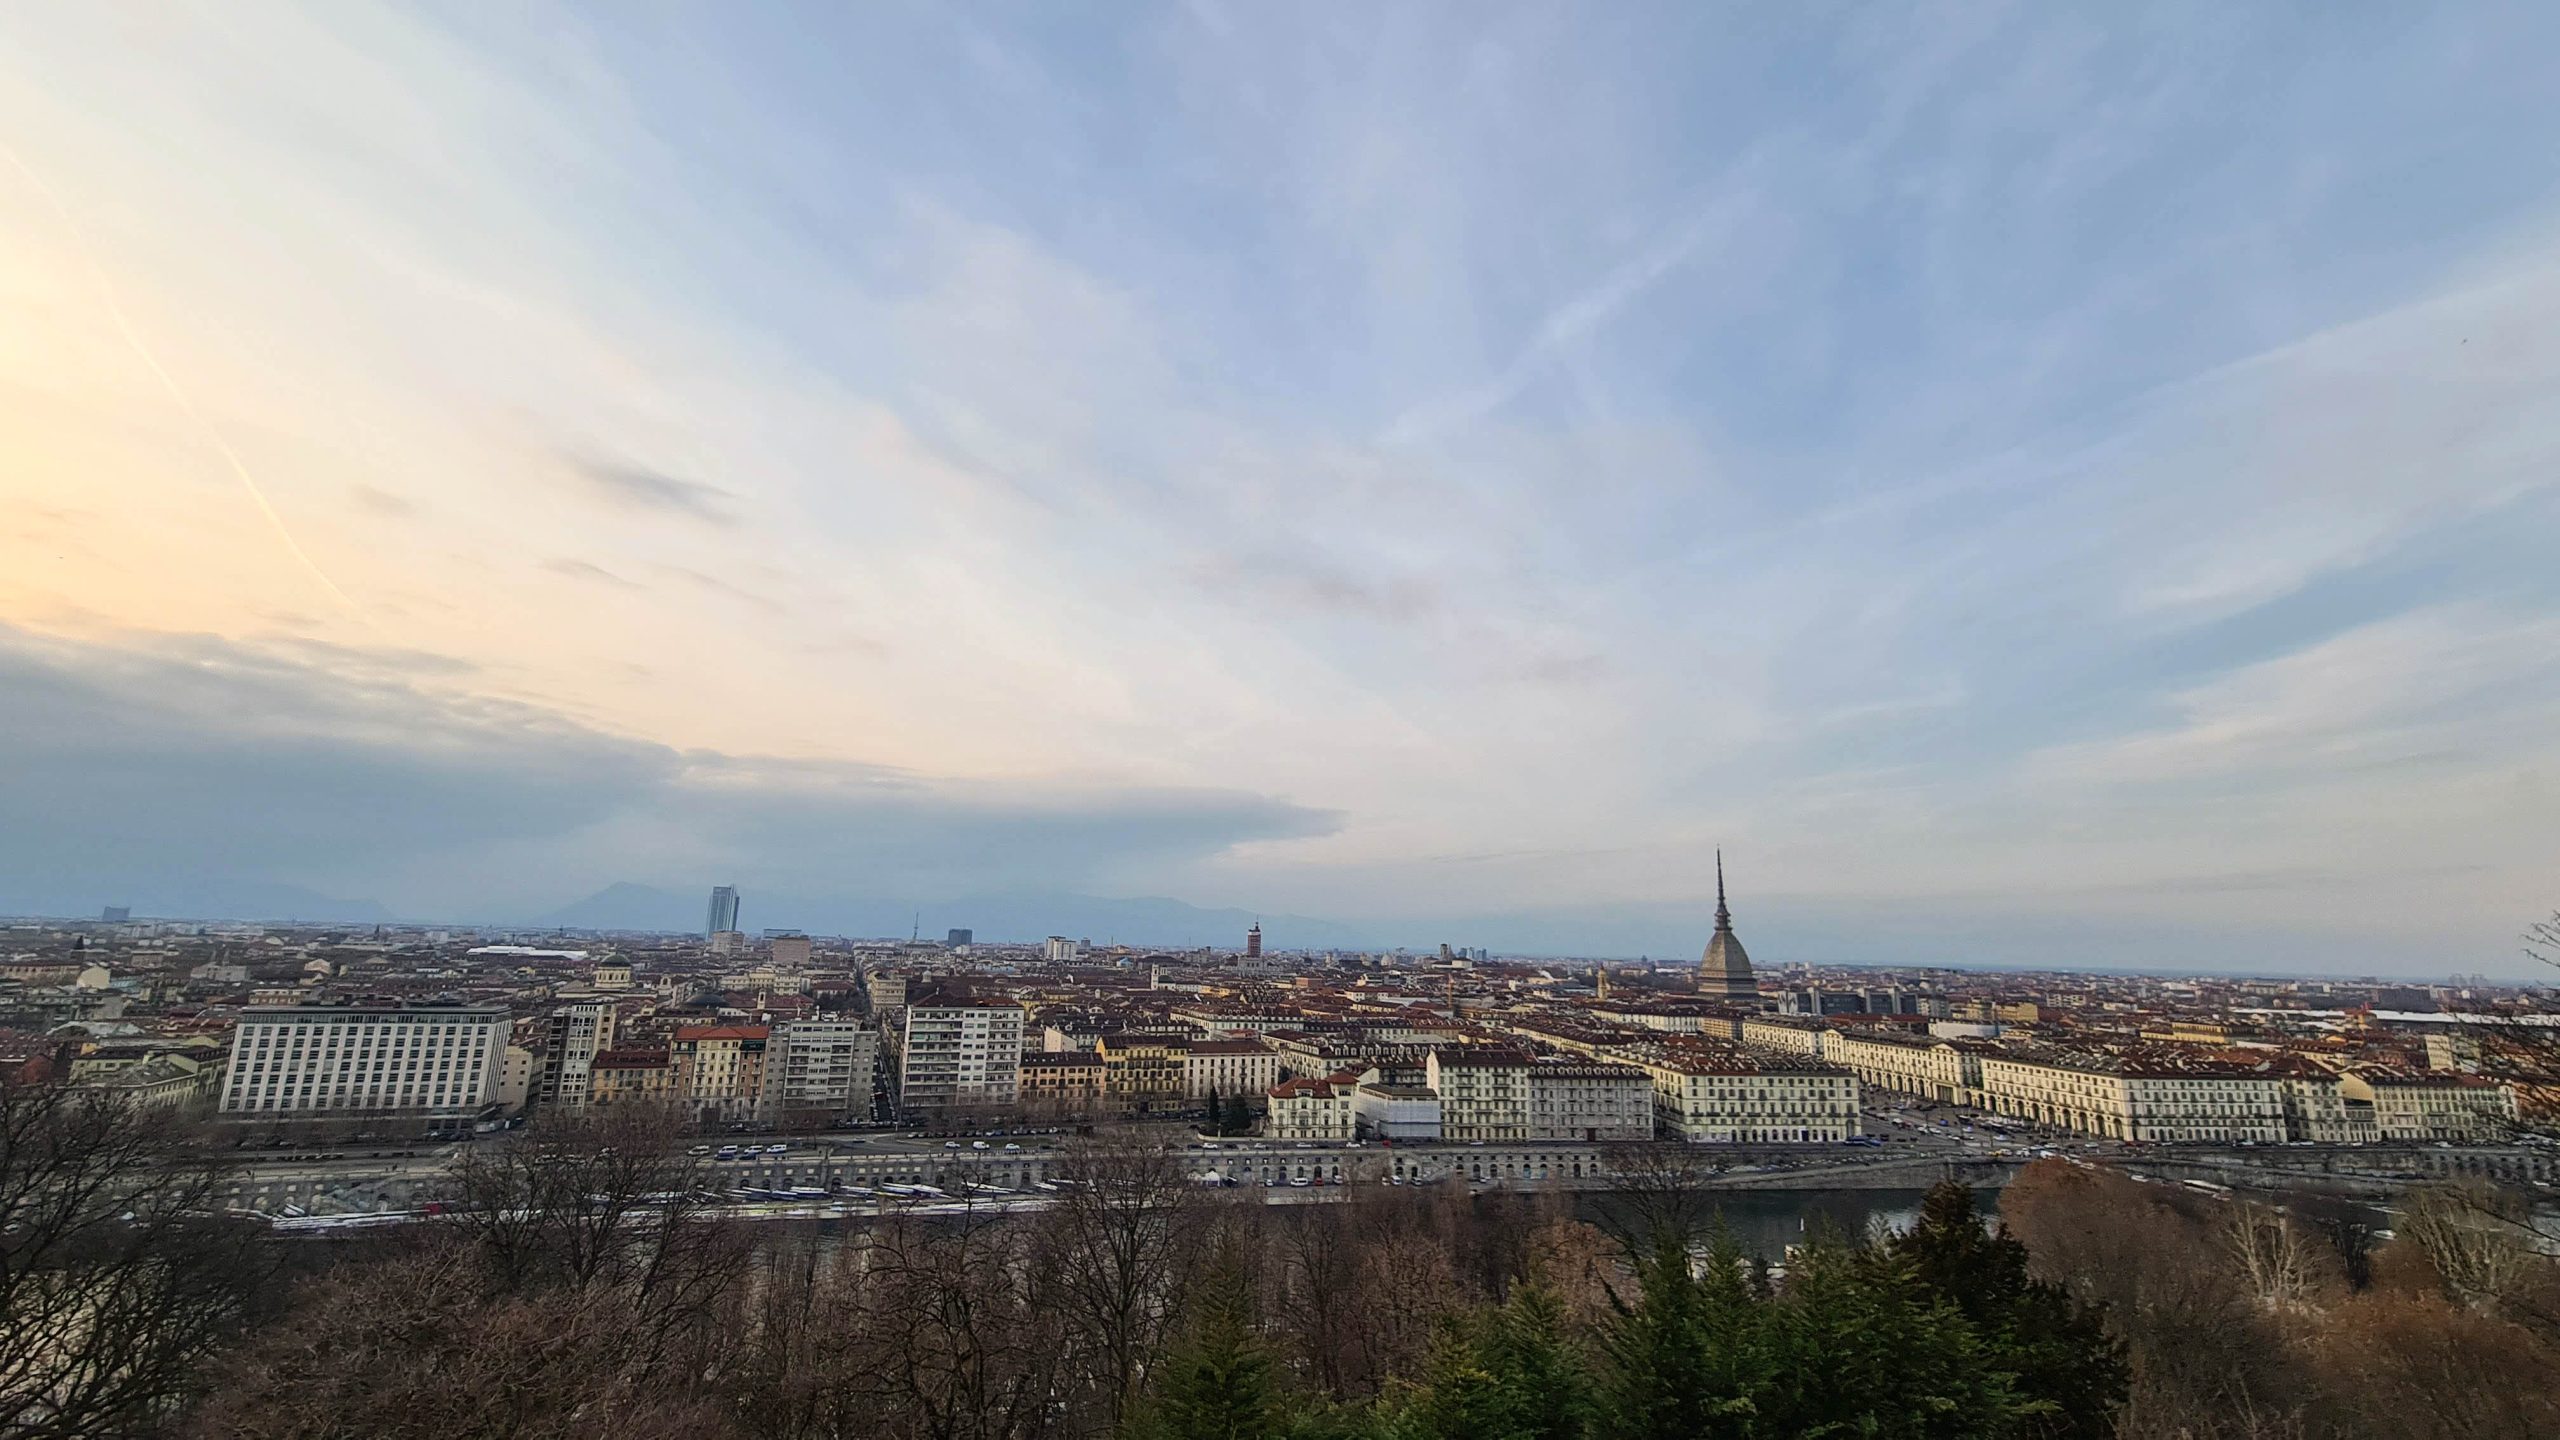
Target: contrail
x,y
124,327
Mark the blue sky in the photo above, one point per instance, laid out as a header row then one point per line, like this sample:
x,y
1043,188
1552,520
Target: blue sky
x,y
2034,484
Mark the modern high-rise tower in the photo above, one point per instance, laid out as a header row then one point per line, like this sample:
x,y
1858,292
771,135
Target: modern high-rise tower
x,y
1724,972
724,910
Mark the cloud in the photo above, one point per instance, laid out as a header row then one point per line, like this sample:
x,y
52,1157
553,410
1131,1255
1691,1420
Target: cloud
x,y
637,487
375,500
164,758
576,569
2445,685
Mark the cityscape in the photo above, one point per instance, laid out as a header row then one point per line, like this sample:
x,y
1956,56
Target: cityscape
x,y
1272,1069
1435,720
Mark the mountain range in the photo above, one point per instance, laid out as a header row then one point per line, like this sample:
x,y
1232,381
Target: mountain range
x,y
1144,920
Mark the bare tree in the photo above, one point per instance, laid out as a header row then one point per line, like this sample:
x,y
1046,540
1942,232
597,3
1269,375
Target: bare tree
x,y
117,1275
1661,1189
2474,1235
1114,1245
417,1347
2278,1259
608,1204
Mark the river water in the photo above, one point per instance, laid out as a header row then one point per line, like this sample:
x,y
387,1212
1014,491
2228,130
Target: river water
x,y
1766,1222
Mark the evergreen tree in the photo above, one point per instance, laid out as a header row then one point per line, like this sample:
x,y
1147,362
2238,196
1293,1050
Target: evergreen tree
x,y
1216,1123
1856,1345
1682,1359
1217,1383
1514,1373
2059,1349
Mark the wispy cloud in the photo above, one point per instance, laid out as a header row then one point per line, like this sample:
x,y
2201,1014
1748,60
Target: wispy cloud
x,y
639,487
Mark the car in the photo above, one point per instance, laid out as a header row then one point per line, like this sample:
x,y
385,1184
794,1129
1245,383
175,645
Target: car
x,y
950,1144
1009,1145
977,1144
727,1152
699,1150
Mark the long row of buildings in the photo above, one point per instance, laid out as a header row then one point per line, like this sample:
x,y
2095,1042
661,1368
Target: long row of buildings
x,y
1456,1048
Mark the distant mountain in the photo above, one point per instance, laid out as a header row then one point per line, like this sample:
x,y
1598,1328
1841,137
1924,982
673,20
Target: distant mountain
x,y
625,906
1150,921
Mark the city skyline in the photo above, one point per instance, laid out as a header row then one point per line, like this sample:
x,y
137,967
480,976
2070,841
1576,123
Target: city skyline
x,y
2027,489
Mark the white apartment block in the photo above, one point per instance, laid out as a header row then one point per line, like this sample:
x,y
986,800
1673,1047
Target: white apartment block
x,y
2432,1105
1934,1069
2316,1108
1309,1109
1395,1112
1229,1067
1708,1094
1589,1100
571,1036
1786,1037
820,1069
960,1053
2167,1100
1484,1092
887,989
435,1061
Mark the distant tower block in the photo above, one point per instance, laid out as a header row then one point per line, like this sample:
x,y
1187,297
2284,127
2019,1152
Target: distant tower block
x,y
1253,942
1724,972
723,914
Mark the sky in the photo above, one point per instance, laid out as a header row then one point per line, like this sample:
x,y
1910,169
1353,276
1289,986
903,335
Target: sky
x,y
2033,484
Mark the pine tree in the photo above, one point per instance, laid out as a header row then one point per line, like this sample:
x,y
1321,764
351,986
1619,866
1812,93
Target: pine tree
x,y
1217,1383
2059,1349
1683,1358
1510,1374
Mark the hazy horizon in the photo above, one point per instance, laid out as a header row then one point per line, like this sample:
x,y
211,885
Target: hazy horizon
x,y
2022,482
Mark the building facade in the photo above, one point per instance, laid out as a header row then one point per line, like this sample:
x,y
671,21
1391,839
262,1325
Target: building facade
x,y
720,1068
1228,1067
1311,1109
1707,1093
819,1071
572,1036
960,1054
1483,1090
435,1061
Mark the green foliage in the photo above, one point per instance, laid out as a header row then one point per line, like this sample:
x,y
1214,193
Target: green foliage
x,y
1218,1383
1512,1373
2059,1349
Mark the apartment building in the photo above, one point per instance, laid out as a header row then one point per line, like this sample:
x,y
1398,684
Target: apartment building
x,y
1934,1069
1142,1074
960,1053
2432,1104
2316,1108
630,1077
1789,1037
2166,1099
819,1071
1381,1111
1061,1082
434,1061
1705,1092
1484,1091
1228,1067
1311,1109
1589,1100
572,1036
720,1068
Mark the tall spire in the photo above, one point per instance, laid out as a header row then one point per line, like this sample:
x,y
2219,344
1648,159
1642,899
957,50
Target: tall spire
x,y
1724,917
